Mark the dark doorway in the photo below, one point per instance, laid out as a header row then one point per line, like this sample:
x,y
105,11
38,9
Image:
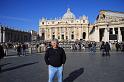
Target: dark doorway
x,y
62,37
122,32
84,35
101,33
72,36
42,36
53,36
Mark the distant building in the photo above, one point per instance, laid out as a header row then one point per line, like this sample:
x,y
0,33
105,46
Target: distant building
x,y
34,35
8,34
109,26
66,28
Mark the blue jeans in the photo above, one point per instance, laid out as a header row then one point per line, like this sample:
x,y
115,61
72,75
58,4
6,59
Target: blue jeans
x,y
53,71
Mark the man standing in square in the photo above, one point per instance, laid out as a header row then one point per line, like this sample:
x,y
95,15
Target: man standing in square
x,y
55,58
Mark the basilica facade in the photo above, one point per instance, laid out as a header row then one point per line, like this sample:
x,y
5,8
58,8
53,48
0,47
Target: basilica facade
x,y
109,26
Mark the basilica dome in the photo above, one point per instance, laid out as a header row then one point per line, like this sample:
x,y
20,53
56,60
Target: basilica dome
x,y
68,15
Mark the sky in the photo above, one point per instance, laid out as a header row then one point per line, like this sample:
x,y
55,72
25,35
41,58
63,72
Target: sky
x,y
25,14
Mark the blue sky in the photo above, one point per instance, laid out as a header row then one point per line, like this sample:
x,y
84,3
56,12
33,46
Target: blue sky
x,y
25,14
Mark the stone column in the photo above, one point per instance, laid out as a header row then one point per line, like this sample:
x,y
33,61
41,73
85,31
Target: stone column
x,y
106,35
59,32
80,33
56,34
87,33
45,34
65,34
4,36
119,35
76,29
97,39
69,34
113,31
60,28
75,33
50,34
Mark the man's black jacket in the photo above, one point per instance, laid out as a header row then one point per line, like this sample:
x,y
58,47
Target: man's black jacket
x,y
55,57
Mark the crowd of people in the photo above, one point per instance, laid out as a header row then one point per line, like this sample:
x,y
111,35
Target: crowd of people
x,y
91,46
21,49
105,48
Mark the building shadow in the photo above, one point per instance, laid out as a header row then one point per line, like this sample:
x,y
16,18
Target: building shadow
x,y
16,67
74,75
4,64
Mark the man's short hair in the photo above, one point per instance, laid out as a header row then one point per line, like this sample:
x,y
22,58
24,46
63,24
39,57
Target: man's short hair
x,y
55,40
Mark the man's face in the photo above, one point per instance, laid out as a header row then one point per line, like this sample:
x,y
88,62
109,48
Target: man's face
x,y
54,44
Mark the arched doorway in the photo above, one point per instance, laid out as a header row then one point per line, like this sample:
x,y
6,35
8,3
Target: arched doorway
x,y
72,36
43,36
122,32
84,35
101,33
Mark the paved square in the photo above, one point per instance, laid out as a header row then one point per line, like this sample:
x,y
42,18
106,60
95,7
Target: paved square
x,y
79,67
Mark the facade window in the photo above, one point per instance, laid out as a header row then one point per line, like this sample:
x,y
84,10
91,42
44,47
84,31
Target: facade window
x,y
83,21
122,19
43,23
62,37
66,37
111,31
72,36
84,35
53,32
58,29
62,30
58,37
52,22
53,29
116,30
72,21
53,36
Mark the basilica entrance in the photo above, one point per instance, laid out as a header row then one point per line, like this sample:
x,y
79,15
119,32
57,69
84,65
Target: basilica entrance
x,y
84,35
101,33
42,36
122,32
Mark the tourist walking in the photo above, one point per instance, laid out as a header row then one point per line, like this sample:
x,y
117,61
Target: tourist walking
x,y
102,48
90,46
93,48
19,50
107,49
123,47
117,46
5,48
24,49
